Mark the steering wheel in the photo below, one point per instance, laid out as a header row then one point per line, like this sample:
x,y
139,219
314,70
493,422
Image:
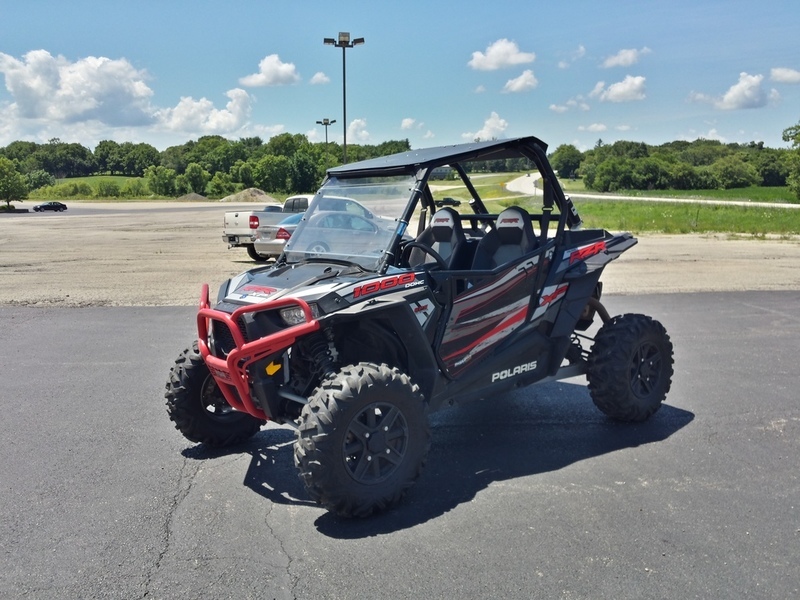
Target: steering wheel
x,y
440,262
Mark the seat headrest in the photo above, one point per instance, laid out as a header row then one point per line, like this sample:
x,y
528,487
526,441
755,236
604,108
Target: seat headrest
x,y
444,224
514,226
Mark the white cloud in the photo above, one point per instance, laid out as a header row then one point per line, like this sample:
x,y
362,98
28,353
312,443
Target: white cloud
x,y
357,131
500,54
711,134
194,116
598,89
577,55
594,127
319,78
573,103
745,93
480,89
493,128
428,135
523,83
623,127
625,58
271,71
407,123
784,75
629,89
49,88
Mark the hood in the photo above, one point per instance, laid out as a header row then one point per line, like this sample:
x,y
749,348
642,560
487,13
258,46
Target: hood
x,y
301,280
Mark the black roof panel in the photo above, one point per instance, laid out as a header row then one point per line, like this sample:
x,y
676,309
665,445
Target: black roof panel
x,y
439,156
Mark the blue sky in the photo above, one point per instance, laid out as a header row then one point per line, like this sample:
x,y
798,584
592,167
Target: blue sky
x,y
169,71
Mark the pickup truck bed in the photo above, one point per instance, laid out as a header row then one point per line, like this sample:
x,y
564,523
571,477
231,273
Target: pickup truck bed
x,y
239,226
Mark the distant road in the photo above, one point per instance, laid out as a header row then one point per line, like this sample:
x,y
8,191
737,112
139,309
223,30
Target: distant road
x,y
525,185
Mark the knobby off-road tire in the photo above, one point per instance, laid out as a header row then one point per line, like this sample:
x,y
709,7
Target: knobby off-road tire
x,y
199,410
630,367
363,439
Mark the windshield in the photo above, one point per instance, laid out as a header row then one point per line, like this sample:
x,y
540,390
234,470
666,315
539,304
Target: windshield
x,y
352,219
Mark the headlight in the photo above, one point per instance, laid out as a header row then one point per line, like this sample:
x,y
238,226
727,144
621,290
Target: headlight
x,y
294,315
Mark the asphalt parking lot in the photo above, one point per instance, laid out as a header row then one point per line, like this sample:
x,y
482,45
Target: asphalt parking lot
x,y
534,494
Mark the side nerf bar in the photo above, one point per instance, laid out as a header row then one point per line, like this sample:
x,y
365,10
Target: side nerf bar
x,y
231,373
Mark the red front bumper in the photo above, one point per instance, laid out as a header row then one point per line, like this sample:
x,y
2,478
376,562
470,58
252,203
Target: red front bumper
x,y
231,373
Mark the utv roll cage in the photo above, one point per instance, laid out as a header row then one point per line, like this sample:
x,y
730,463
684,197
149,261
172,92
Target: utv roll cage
x,y
421,164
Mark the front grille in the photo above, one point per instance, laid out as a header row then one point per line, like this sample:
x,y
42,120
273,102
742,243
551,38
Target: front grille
x,y
223,338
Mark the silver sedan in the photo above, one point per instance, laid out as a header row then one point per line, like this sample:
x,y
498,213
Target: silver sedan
x,y
270,239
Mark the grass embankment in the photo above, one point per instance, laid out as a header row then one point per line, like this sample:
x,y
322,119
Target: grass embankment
x,y
663,216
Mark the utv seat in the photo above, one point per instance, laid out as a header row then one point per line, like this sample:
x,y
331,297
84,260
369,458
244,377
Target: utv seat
x,y
445,236
511,238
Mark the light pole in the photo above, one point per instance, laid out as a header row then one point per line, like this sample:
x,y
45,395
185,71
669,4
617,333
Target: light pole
x,y
325,123
344,43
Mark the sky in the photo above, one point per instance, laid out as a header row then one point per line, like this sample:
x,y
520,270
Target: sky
x,y
436,73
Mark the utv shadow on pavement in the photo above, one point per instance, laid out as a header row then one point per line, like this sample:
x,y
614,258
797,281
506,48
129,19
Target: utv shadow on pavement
x,y
535,430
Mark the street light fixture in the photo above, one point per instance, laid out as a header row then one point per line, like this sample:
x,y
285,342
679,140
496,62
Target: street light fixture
x,y
344,43
325,123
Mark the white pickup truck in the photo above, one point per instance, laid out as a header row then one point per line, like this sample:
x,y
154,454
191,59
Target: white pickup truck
x,y
239,227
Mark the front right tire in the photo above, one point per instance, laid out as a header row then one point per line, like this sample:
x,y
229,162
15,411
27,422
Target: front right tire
x,y
199,410
363,439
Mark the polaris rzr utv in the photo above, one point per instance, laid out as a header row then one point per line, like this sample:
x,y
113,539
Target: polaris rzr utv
x,y
399,293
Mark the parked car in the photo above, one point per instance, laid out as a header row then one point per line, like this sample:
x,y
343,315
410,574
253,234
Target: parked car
x,y
270,239
345,232
56,206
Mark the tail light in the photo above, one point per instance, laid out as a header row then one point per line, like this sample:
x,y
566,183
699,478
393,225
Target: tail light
x,y
282,234
253,222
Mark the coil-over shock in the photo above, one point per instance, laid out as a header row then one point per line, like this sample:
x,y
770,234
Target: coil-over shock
x,y
321,352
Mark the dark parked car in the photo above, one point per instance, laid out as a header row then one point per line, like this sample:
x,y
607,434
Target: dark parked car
x,y
56,206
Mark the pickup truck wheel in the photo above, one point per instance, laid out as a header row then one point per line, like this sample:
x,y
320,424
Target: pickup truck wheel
x,y
630,367
363,439
199,410
251,252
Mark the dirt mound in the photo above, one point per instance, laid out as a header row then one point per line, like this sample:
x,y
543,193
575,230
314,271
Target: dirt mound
x,y
249,195
193,197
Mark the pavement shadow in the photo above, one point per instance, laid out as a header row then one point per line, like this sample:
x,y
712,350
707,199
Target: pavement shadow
x,y
524,433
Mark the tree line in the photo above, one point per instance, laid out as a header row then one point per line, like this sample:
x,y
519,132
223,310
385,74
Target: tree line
x,y
215,166
682,165
212,166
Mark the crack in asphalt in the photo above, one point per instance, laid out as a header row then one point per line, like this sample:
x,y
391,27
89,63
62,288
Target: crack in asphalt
x,y
186,478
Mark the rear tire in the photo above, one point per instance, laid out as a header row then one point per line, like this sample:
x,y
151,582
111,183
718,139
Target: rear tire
x,y
199,410
630,367
363,439
251,252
